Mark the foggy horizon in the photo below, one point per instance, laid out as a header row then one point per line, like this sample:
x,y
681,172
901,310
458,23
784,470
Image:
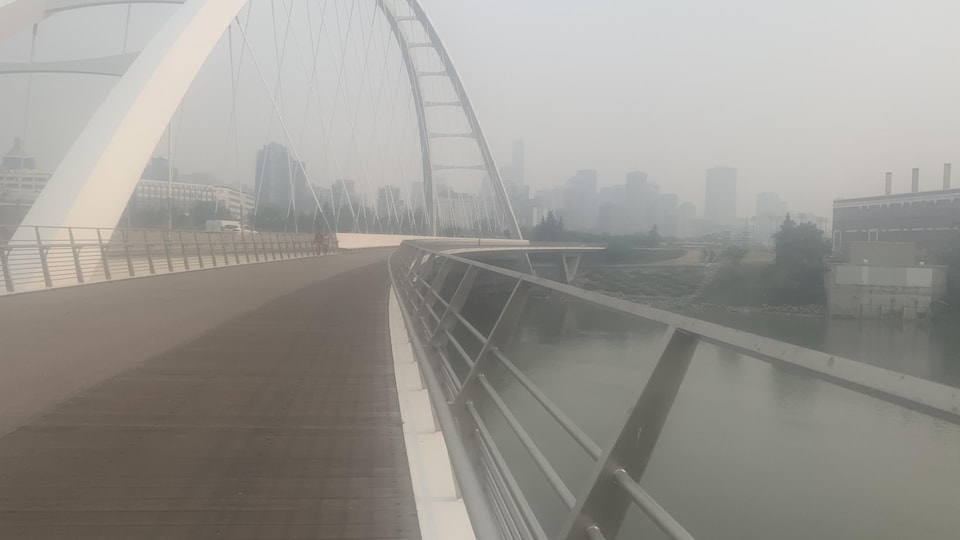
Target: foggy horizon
x,y
819,96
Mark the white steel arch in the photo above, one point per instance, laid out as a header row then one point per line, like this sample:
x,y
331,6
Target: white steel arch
x,y
95,179
449,72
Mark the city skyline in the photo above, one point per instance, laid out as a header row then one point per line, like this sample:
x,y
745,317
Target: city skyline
x,y
875,92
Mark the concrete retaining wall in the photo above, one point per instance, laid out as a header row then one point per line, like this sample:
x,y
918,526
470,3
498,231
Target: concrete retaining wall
x,y
862,291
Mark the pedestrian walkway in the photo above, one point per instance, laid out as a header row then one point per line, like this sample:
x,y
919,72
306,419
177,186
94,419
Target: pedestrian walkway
x,y
279,423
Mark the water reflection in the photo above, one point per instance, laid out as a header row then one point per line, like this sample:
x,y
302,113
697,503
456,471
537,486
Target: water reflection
x,y
929,351
750,450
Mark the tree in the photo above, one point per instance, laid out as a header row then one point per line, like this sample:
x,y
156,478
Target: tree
x,y
801,252
548,230
653,239
734,255
949,256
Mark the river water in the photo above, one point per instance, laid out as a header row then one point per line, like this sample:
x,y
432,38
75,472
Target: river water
x,y
749,451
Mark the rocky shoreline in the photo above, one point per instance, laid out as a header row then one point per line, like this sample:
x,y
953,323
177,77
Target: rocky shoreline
x,y
690,303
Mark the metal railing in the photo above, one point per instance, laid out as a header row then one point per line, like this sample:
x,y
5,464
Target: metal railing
x,y
457,379
56,256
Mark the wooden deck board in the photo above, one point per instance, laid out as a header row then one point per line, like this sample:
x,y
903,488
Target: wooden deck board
x,y
280,424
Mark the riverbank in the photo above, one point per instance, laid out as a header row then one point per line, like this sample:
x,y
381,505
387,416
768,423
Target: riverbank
x,y
742,289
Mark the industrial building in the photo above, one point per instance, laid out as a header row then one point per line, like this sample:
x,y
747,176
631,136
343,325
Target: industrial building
x,y
927,219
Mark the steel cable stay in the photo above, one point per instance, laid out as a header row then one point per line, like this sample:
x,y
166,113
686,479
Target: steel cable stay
x,y
283,124
347,102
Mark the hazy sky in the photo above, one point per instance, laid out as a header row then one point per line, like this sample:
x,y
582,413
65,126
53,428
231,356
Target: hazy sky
x,y
813,100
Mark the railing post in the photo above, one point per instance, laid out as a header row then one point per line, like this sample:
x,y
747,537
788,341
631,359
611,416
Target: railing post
x,y
104,256
196,242
126,249
43,259
246,252
146,246
434,291
459,298
418,279
76,255
212,248
183,251
5,266
166,250
604,502
273,249
236,252
418,259
499,337
223,248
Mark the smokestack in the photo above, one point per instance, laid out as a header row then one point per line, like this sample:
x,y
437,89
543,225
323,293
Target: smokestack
x,y
889,186
946,176
915,184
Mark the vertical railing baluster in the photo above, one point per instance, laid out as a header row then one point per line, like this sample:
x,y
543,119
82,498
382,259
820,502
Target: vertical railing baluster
x,y
183,251
166,250
76,255
146,246
5,266
223,248
124,235
212,248
196,242
104,255
42,251
434,289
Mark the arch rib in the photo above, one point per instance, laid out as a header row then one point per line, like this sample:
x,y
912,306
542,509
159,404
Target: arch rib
x,y
429,193
114,66
94,181
18,15
492,170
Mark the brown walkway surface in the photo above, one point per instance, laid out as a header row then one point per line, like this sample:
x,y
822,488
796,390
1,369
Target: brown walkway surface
x,y
280,423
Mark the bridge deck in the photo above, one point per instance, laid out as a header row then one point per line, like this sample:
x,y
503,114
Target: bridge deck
x,y
281,423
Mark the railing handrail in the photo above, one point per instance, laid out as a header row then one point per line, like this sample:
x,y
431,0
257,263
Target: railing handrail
x,y
915,393
57,256
420,270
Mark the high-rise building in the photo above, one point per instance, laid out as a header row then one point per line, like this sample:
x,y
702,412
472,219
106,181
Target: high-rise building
x,y
517,192
641,198
612,212
273,184
580,201
720,202
343,194
159,169
770,214
417,198
612,218
688,226
667,215
389,204
153,195
20,184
